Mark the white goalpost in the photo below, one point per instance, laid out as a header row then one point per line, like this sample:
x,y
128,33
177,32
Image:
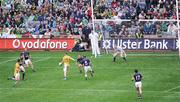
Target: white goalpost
x,y
109,20
101,21
123,21
177,12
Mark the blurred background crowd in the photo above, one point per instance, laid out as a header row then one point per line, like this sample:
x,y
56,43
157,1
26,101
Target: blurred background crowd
x,y
119,29
44,18
67,18
135,9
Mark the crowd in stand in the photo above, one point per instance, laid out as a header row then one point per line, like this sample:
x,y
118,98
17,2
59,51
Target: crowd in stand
x,y
135,9
53,18
44,18
137,29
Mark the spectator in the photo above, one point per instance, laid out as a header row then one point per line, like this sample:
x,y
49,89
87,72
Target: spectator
x,y
163,27
142,15
48,33
56,33
12,35
172,29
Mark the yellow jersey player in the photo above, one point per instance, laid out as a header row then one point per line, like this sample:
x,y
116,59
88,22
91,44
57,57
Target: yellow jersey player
x,y
17,69
66,61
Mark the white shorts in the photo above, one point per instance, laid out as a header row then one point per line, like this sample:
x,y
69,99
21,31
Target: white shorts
x,y
120,54
27,61
22,68
65,68
17,76
87,68
138,84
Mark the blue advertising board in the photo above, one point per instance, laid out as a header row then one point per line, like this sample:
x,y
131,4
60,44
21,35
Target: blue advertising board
x,y
141,44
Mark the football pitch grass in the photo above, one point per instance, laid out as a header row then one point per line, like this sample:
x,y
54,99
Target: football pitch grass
x,y
111,83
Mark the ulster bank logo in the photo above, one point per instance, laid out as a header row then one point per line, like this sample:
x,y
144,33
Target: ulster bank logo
x,y
107,44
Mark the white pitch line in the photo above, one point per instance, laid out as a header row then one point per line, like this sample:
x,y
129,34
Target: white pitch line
x,y
15,59
85,90
172,89
7,61
42,59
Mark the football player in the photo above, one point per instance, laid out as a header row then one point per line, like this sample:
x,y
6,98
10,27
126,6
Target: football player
x,y
27,59
79,63
66,61
138,84
87,67
118,51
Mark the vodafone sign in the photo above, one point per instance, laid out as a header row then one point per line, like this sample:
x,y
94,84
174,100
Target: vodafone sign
x,y
51,44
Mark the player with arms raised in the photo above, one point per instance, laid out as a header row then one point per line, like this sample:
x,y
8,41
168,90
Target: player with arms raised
x,y
87,67
66,61
138,84
118,51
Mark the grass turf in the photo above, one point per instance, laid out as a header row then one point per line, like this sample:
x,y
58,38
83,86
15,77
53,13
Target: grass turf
x,y
112,81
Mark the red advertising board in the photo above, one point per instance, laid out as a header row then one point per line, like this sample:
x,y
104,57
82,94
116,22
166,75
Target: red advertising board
x,y
37,44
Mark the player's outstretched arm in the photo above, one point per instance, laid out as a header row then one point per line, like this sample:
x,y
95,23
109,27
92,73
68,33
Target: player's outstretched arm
x,y
60,62
72,59
132,78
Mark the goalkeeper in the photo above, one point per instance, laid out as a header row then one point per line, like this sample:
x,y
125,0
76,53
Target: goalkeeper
x,y
118,51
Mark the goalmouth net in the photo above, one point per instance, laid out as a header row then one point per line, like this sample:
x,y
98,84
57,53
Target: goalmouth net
x,y
139,35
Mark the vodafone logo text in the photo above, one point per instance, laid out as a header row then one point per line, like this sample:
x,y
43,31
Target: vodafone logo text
x,y
61,44
40,44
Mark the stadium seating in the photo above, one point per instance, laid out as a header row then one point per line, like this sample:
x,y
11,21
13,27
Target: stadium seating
x,y
67,18
36,17
131,28
133,9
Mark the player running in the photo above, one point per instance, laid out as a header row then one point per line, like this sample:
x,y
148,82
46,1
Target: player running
x,y
118,51
87,67
79,63
138,77
27,59
66,61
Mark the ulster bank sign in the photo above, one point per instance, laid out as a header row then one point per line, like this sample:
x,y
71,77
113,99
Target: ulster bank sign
x,y
141,44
